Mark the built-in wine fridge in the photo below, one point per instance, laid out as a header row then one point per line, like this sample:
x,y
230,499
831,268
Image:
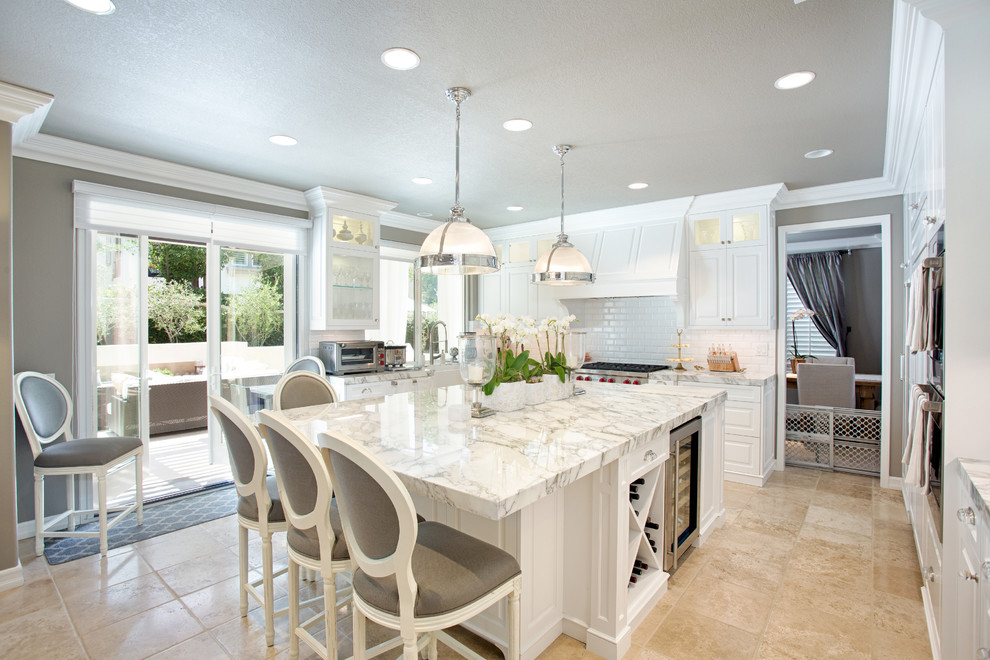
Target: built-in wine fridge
x,y
681,505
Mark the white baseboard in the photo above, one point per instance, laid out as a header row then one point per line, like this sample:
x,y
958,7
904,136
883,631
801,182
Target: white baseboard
x,y
11,577
25,529
893,482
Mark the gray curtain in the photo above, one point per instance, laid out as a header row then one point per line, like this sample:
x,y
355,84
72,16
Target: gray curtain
x,y
817,280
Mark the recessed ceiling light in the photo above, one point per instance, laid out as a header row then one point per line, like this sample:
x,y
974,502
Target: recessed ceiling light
x,y
424,214
422,180
639,185
513,208
283,140
99,7
794,80
400,59
518,125
819,153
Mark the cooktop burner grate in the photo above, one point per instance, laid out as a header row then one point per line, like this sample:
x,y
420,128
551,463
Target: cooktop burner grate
x,y
620,366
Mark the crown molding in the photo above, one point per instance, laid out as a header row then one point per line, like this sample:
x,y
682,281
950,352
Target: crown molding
x,y
916,44
594,220
737,198
948,12
25,108
60,151
398,220
321,198
848,191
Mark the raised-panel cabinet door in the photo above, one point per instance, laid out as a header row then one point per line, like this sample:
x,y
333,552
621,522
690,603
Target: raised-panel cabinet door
x,y
617,252
747,283
707,276
707,232
745,227
588,245
659,250
490,288
521,292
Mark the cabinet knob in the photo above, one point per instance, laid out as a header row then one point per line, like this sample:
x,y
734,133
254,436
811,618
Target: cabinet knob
x,y
966,575
914,207
722,242
928,574
650,455
365,390
966,515
728,242
986,569
983,654
930,219
395,383
723,318
415,381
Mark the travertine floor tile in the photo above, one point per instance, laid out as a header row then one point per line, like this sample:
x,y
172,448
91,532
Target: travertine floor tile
x,y
768,525
45,633
803,590
29,597
195,574
729,603
688,636
794,478
899,615
841,520
96,609
217,603
143,634
855,490
897,580
93,573
200,647
891,646
183,548
801,633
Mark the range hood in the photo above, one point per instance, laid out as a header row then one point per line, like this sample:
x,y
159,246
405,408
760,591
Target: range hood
x,y
643,259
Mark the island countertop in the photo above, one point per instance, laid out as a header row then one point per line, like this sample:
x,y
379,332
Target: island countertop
x,y
497,465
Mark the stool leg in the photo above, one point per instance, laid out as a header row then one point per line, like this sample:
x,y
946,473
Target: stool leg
x,y
266,560
433,646
70,483
293,608
330,613
101,485
139,488
242,562
358,634
39,514
514,619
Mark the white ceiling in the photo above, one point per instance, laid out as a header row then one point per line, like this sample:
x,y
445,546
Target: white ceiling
x,y
677,93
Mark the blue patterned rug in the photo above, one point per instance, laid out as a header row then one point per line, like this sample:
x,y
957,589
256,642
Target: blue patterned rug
x,y
159,518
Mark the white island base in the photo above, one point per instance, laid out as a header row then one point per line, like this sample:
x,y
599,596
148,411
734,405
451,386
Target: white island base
x,y
577,545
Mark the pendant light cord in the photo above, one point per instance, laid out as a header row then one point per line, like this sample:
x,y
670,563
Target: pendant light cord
x,y
562,193
457,157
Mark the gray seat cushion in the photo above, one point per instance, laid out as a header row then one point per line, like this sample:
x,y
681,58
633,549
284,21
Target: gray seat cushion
x,y
247,507
451,568
85,452
306,542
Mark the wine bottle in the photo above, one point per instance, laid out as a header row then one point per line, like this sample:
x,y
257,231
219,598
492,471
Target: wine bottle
x,y
651,525
633,579
637,571
634,496
639,482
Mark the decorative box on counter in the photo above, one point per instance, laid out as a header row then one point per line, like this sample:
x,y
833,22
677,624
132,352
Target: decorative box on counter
x,y
722,360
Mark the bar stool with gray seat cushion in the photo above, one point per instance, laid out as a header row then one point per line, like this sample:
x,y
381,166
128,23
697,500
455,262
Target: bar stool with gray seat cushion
x,y
832,360
315,537
249,468
309,363
302,388
826,385
45,410
414,577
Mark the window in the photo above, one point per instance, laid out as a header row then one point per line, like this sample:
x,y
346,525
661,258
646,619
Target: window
x,y
442,300
809,340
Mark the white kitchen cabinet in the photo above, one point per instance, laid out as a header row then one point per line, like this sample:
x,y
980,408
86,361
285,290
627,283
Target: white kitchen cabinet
x,y
344,260
748,443
367,386
729,269
511,291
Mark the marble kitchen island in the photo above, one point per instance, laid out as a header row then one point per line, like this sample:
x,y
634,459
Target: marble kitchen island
x,y
550,484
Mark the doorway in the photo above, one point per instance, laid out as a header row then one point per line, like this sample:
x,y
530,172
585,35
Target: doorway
x,y
876,349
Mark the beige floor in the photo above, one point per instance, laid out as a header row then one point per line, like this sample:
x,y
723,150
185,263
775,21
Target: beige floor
x,y
814,565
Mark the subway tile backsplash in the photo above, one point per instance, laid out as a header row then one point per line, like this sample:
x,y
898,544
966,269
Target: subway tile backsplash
x,y
643,329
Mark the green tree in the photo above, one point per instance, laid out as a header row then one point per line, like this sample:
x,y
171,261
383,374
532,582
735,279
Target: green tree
x,y
175,308
178,262
115,315
257,313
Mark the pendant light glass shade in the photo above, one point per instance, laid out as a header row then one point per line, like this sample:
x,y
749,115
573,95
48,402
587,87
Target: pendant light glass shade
x,y
457,247
563,264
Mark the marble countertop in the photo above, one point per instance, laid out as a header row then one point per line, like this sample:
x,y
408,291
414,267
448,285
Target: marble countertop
x,y
497,465
978,473
749,377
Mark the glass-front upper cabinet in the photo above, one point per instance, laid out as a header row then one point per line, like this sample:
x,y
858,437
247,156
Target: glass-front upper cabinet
x,y
353,299
353,231
722,229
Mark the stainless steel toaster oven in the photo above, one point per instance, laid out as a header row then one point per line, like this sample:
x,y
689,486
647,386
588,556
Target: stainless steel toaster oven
x,y
352,357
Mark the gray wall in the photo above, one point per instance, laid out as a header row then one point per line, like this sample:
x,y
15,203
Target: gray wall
x,y
8,524
43,281
862,270
892,206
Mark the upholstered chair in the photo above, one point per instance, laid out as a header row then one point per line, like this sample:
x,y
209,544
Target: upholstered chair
x,y
309,363
259,507
832,360
302,388
45,409
315,537
826,385
413,577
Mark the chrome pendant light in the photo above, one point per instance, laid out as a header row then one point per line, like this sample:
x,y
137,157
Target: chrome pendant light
x,y
457,247
563,264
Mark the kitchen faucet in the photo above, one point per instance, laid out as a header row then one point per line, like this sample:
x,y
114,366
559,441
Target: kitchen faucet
x,y
429,340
